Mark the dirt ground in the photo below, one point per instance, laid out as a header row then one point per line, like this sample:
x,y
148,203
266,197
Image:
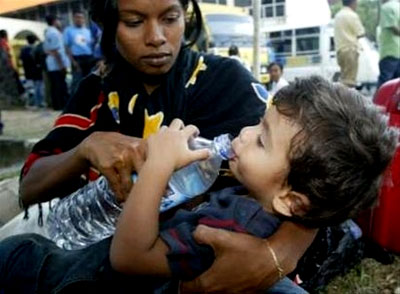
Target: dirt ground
x,y
27,124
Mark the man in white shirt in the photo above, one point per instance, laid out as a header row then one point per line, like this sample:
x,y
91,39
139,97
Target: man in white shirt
x,y
348,29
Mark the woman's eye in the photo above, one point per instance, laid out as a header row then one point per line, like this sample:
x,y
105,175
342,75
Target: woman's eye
x,y
171,18
133,23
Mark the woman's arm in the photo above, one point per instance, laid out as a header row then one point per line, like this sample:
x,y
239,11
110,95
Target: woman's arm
x,y
136,247
257,269
114,155
50,177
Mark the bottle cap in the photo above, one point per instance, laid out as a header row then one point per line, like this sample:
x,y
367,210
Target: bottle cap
x,y
223,145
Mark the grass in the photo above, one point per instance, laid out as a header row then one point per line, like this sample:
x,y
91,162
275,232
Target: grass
x,y
369,277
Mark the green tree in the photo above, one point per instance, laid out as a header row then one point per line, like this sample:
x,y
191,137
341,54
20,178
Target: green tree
x,y
368,12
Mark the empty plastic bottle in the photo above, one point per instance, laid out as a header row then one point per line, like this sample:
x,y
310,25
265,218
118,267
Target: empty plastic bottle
x,y
91,213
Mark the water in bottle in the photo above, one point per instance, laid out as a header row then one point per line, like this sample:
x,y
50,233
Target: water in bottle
x,y
91,213
197,177
86,216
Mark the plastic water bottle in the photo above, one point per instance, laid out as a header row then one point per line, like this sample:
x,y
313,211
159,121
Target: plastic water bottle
x,y
196,178
90,214
84,217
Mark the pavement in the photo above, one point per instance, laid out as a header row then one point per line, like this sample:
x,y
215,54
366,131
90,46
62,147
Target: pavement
x,y
8,200
22,127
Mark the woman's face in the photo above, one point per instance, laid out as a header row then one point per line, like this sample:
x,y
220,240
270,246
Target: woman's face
x,y
149,33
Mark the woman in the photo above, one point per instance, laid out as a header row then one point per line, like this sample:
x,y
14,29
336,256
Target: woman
x,y
151,79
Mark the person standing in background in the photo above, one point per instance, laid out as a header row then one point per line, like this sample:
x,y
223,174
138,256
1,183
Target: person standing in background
x,y
32,70
5,77
5,47
348,29
40,59
96,33
389,41
57,62
276,81
79,45
234,53
10,86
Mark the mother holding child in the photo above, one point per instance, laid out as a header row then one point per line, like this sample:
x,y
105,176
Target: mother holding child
x,y
315,158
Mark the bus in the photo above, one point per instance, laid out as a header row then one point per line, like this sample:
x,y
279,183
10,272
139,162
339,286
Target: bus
x,y
303,41
228,25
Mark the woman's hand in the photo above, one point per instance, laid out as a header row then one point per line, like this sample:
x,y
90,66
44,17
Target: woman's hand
x,y
169,147
243,263
116,156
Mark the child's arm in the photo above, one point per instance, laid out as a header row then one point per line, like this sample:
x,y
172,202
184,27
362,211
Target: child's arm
x,y
136,247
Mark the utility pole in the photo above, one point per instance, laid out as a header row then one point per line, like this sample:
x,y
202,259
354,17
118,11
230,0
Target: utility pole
x,y
256,38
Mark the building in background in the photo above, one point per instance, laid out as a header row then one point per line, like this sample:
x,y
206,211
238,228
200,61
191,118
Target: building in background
x,y
36,10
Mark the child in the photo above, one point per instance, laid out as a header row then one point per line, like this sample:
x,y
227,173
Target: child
x,y
277,82
316,157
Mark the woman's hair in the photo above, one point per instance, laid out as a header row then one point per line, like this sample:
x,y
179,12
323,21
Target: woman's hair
x,y
338,157
105,13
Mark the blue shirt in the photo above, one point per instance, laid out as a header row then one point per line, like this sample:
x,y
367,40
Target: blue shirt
x,y
228,209
78,40
53,40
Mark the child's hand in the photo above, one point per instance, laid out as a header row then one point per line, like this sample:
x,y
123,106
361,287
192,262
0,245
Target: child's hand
x,y
169,147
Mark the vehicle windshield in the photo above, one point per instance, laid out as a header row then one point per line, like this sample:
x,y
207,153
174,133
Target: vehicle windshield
x,y
228,29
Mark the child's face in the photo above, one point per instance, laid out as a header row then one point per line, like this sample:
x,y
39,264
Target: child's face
x,y
275,73
261,163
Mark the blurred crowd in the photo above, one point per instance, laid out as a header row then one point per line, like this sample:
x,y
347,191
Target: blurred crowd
x,y
52,68
348,31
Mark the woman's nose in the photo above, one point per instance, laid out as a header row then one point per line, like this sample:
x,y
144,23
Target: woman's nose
x,y
155,34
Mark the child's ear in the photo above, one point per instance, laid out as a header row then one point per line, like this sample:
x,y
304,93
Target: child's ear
x,y
291,203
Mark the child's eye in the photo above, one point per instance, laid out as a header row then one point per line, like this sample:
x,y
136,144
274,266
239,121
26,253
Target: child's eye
x,y
259,141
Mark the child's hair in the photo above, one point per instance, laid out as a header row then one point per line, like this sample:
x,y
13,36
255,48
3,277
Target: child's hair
x,y
338,157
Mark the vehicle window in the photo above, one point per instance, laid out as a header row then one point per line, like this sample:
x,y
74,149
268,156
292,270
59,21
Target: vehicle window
x,y
307,41
281,42
229,29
